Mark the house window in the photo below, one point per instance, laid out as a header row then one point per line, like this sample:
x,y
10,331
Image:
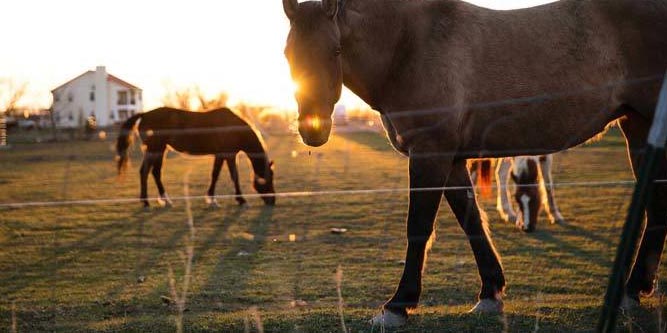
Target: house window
x,y
70,117
132,99
56,97
139,95
70,97
122,98
92,95
123,114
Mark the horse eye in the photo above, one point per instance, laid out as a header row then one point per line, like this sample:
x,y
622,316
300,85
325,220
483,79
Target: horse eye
x,y
337,51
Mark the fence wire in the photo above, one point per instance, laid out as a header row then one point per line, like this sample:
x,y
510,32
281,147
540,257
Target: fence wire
x,y
294,257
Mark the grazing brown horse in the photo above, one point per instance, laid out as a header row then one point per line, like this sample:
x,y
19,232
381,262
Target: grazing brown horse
x,y
534,188
218,132
453,80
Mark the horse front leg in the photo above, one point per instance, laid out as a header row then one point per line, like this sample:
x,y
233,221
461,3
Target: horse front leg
x,y
464,205
234,174
210,194
503,202
427,176
143,179
547,188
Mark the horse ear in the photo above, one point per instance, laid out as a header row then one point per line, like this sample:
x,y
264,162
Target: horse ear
x,y
330,7
290,7
271,165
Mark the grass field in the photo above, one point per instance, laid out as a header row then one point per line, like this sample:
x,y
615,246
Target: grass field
x,y
104,266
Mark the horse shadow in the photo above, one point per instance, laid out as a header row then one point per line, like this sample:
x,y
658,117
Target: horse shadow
x,y
229,260
52,256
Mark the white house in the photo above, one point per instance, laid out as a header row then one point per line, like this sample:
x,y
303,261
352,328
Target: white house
x,y
95,93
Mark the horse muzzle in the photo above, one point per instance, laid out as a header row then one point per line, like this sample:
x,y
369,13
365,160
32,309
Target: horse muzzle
x,y
315,131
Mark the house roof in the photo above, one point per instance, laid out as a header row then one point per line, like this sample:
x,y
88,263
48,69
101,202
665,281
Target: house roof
x,y
70,81
110,78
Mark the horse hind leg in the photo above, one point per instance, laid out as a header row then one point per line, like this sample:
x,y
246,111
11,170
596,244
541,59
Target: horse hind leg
x,y
547,189
158,159
644,272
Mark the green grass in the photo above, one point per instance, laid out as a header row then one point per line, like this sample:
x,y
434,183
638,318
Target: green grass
x,y
103,267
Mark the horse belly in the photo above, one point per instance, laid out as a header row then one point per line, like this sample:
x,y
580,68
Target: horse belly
x,y
196,144
536,128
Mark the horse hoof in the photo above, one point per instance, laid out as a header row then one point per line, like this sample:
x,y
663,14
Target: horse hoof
x,y
388,319
210,200
558,221
511,219
165,202
212,203
628,303
488,306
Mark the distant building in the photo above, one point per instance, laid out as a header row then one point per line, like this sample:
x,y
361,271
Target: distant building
x,y
95,94
340,115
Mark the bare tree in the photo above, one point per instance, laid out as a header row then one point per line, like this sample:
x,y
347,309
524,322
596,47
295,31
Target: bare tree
x,y
180,99
11,94
192,98
219,101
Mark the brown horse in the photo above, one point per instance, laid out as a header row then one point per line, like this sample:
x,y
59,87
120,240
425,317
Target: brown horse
x,y
453,80
218,132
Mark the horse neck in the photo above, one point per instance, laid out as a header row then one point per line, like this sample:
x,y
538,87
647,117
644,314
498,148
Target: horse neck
x,y
373,34
254,148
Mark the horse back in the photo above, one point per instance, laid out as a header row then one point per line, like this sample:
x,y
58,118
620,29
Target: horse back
x,y
197,133
563,70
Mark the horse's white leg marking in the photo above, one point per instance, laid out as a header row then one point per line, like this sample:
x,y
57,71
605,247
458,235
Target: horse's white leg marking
x,y
488,306
164,201
388,319
547,189
525,200
503,203
211,201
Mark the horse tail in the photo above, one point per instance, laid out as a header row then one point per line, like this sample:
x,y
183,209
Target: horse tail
x,y
484,177
125,141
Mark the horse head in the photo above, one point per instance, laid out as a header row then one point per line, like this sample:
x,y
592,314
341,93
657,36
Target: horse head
x,y
313,51
526,176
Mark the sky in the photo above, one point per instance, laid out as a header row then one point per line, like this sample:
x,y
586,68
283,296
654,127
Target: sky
x,y
219,45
